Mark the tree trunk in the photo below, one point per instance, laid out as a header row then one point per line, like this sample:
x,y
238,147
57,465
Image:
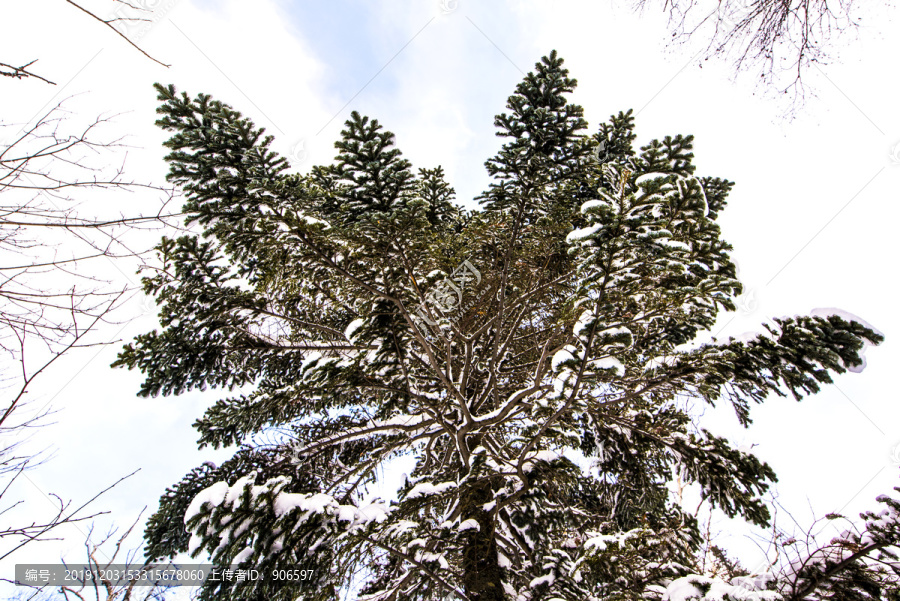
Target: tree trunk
x,y
482,575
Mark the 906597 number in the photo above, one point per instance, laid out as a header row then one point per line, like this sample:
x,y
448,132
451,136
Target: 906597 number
x,y
293,575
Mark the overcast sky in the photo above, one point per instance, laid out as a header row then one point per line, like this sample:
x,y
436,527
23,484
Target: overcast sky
x,y
812,217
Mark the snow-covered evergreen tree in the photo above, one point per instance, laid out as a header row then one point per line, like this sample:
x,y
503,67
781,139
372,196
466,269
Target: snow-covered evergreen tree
x,y
497,348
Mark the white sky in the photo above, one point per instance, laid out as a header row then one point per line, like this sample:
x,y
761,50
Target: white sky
x,y
812,217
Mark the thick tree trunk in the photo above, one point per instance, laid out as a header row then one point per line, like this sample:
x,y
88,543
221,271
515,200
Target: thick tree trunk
x,y
482,575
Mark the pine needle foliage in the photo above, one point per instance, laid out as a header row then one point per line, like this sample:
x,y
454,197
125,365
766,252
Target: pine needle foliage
x,y
499,350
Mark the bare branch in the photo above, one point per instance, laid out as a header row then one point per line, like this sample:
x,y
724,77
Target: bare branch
x,y
21,72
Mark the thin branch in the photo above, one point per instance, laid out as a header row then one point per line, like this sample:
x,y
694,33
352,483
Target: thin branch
x,y
108,23
22,72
